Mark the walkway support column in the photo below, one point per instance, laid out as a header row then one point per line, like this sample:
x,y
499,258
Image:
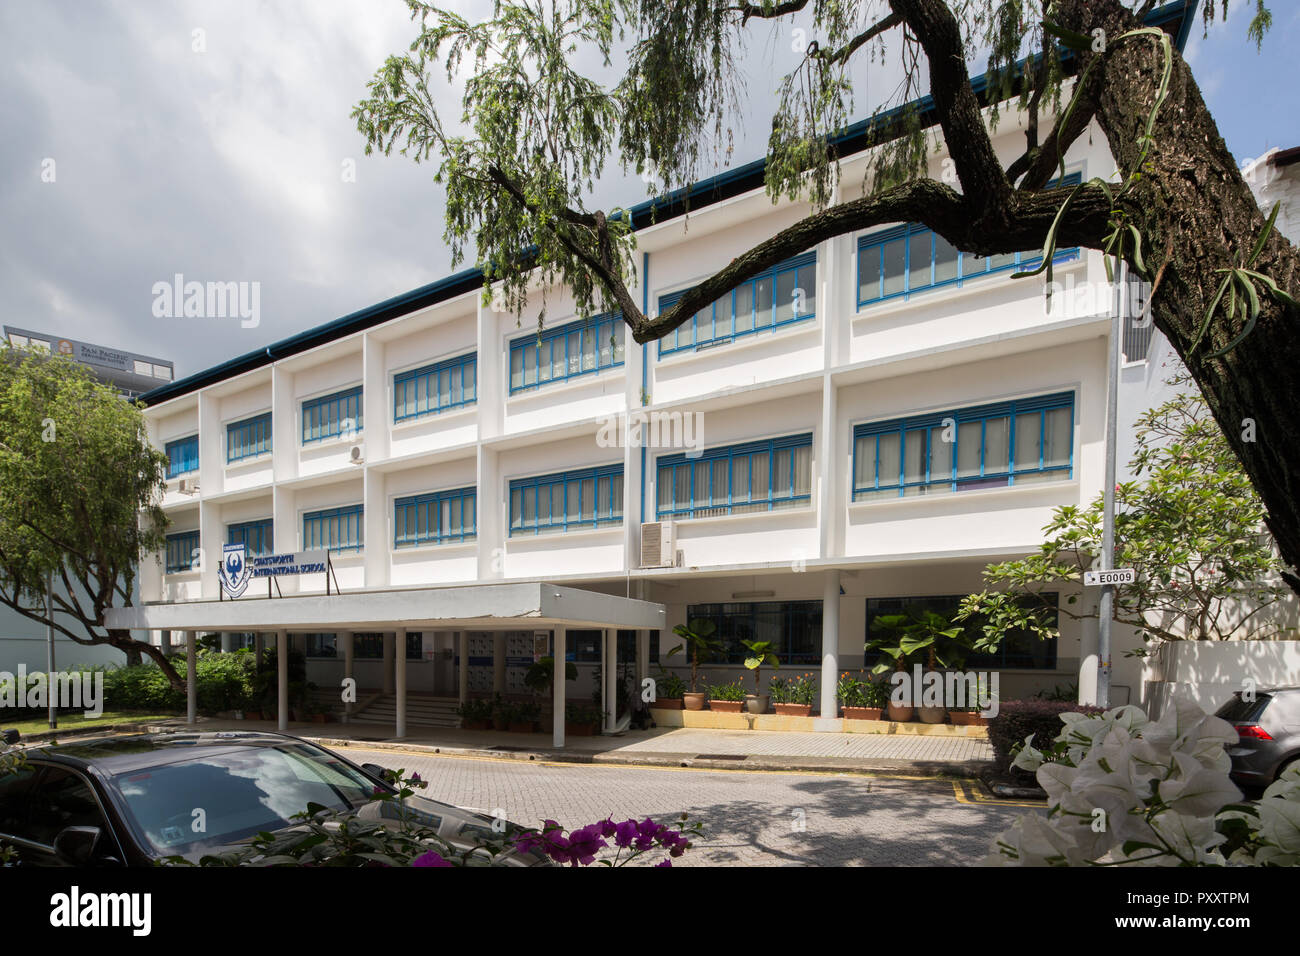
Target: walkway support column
x,y
282,666
388,662
349,668
557,683
609,665
191,677
830,645
462,668
499,662
400,640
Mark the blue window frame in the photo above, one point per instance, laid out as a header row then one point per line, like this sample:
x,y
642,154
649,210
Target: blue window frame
x,y
436,518
783,295
1019,650
571,500
984,446
793,627
331,415
182,456
180,551
435,388
578,348
257,537
907,259
737,479
334,529
248,438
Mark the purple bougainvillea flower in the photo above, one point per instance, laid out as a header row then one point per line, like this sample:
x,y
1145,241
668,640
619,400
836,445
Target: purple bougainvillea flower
x,y
584,844
430,858
607,827
625,833
664,863
647,830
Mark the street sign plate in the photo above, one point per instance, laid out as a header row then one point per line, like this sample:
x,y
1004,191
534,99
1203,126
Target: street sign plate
x,y
1117,576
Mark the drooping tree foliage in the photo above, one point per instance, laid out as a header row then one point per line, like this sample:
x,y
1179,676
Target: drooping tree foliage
x,y
79,490
553,93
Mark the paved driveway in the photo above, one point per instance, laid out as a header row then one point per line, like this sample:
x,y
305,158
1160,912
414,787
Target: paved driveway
x,y
750,818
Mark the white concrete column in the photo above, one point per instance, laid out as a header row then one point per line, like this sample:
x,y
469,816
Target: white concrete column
x,y
498,663
1089,651
557,683
191,677
609,672
282,667
462,669
399,639
349,665
830,646
642,659
227,642
388,662
259,645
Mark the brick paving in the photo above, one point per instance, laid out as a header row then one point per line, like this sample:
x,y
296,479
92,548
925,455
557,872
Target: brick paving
x,y
750,819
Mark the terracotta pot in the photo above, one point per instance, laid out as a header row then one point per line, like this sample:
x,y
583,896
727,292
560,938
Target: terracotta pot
x,y
668,703
318,718
726,706
968,718
579,730
933,715
862,713
476,725
693,701
901,712
521,727
252,715
755,704
793,710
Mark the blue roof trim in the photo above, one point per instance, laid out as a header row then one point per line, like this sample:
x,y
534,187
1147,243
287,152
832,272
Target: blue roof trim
x,y
1175,16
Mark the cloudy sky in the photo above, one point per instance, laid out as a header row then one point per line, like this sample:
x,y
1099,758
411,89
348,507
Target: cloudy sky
x,y
144,138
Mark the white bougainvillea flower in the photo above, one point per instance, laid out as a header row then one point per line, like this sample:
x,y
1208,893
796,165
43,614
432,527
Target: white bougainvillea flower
x,y
1174,839
1279,827
1031,841
1198,790
1029,759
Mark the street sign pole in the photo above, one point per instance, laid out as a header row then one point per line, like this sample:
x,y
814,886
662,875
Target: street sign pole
x,y
1106,610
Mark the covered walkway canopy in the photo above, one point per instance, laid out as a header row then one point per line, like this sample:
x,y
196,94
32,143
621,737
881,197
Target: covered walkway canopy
x,y
476,606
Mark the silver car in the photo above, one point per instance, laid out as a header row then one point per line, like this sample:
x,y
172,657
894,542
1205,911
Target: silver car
x,y
1269,728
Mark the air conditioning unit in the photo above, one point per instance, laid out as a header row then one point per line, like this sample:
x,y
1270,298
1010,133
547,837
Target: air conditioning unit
x,y
189,486
357,454
658,544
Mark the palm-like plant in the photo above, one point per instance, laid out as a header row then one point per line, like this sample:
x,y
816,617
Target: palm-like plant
x,y
760,653
698,638
907,635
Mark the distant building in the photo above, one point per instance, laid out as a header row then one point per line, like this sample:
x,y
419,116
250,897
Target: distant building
x,y
22,640
129,373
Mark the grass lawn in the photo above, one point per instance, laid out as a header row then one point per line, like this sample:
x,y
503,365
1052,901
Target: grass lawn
x,y
76,721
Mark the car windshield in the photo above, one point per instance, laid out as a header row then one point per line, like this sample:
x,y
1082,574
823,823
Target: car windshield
x,y
226,796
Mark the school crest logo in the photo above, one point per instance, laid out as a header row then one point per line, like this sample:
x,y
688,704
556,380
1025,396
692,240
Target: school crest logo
x,y
234,571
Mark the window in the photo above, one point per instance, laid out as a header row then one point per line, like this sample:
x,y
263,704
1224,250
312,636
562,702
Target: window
x,y
898,262
986,446
578,348
182,456
369,646
335,529
793,627
249,438
582,646
414,645
256,536
738,479
783,295
331,415
322,645
436,518
435,388
549,504
181,550
65,799
627,647
1019,650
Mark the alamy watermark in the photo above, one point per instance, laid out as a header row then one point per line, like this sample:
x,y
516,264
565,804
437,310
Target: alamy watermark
x,y
662,430
208,300
953,690
67,690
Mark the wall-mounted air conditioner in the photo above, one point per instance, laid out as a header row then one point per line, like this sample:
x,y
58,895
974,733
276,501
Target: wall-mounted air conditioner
x,y
658,544
357,454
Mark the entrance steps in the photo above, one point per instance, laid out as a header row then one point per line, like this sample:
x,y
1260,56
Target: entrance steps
x,y
425,710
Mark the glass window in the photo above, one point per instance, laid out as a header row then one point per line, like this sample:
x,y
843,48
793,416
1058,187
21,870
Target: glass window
x,y
332,416
737,479
576,348
435,518
436,388
248,438
794,627
257,537
567,501
1019,650
334,529
182,551
182,456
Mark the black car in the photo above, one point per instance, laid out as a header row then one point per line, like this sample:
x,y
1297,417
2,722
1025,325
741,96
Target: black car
x,y
131,800
1269,728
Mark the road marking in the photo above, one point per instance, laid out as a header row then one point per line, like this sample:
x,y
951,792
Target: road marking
x,y
965,792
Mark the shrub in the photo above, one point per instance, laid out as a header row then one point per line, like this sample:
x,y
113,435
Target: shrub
x,y
669,686
1017,719
480,709
144,687
733,691
225,681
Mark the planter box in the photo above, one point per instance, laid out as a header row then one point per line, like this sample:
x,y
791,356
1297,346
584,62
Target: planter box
x,y
863,713
793,710
522,727
579,730
726,706
476,725
668,703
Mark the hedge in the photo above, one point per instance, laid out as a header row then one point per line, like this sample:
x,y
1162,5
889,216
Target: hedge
x,y
1017,719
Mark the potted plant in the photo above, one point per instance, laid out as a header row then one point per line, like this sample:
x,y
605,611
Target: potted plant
x,y
668,691
540,679
972,714
794,697
909,635
728,698
698,638
862,699
523,717
581,719
760,653
475,715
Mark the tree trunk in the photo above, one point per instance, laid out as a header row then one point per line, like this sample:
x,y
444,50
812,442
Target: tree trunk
x,y
1197,215
128,645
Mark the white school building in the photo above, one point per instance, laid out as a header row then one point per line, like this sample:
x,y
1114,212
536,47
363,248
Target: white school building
x,y
859,429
